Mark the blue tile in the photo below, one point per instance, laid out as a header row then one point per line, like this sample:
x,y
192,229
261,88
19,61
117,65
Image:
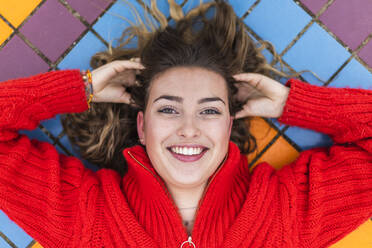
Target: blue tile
x,y
53,125
354,75
190,4
276,123
307,139
241,7
11,230
162,5
317,51
36,134
277,21
4,244
112,24
79,57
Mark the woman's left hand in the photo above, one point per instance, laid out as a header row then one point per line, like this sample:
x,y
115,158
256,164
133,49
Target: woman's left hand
x,y
264,96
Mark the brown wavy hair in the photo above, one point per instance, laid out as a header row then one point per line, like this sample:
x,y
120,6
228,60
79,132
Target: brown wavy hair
x,y
210,36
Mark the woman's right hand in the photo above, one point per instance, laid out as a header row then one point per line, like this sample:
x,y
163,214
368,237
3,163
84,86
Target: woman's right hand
x,y
108,86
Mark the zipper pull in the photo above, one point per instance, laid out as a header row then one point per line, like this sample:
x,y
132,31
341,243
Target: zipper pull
x,y
189,241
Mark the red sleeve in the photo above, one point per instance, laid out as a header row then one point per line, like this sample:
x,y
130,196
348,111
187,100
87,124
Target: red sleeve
x,y
333,186
39,188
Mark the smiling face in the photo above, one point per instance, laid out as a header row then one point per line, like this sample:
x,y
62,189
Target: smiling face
x,y
186,125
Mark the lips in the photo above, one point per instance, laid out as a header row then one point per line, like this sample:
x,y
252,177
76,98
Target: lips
x,y
187,153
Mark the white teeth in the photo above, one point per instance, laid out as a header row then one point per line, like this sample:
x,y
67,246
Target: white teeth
x,y
186,151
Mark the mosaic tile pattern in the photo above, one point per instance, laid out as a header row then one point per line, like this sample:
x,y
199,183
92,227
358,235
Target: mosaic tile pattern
x,y
324,36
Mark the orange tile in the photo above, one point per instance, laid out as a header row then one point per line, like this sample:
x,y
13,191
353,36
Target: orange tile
x,y
17,11
263,132
36,245
361,238
279,154
5,31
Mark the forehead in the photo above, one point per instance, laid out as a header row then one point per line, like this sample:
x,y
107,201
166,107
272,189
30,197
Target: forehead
x,y
189,83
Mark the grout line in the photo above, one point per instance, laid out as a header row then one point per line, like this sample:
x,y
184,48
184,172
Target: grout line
x,y
7,240
353,55
250,10
88,28
259,39
11,35
68,50
34,48
260,154
301,33
31,244
280,132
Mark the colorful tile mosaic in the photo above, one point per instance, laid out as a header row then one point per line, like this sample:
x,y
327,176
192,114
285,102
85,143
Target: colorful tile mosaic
x,y
6,31
277,21
52,29
40,35
351,21
17,11
89,9
366,53
317,51
17,59
314,5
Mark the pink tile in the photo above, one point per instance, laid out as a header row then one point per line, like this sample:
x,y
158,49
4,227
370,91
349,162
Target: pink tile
x,y
89,9
19,60
351,21
366,53
314,5
52,29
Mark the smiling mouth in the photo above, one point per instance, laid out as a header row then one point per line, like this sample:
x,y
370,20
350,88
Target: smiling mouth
x,y
187,153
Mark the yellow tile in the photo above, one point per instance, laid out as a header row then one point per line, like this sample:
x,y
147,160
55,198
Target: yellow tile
x,y
279,154
17,11
263,133
5,31
36,245
361,238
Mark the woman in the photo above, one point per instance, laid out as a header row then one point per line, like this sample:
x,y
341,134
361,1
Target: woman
x,y
186,184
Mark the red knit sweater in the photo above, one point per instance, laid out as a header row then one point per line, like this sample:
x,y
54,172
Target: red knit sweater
x,y
313,202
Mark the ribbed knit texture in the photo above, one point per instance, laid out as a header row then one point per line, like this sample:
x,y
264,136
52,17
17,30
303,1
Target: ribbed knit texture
x,y
313,202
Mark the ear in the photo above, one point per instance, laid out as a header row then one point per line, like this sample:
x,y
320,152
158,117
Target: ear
x,y
141,127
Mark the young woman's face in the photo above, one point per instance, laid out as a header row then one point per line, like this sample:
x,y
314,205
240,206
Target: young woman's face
x,y
186,125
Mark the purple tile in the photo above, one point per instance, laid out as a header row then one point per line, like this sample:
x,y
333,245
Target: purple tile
x,y
366,53
19,60
314,5
351,21
89,9
52,29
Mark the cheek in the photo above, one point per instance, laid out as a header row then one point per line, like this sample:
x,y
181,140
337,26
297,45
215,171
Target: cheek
x,y
157,129
218,130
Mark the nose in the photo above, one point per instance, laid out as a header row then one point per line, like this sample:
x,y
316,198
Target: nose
x,y
188,128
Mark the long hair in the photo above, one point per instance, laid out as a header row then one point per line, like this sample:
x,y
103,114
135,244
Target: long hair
x,y
210,36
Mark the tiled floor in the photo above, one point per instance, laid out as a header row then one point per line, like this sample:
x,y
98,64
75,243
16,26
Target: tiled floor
x,y
332,38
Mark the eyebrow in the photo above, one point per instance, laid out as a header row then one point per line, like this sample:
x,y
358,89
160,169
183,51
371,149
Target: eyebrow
x,y
180,99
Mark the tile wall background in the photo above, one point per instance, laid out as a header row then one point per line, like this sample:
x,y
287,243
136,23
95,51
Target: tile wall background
x,y
332,38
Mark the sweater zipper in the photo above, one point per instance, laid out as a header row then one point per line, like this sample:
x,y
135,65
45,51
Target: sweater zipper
x,y
189,240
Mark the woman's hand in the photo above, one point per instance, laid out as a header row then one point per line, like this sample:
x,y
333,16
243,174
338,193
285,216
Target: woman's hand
x,y
264,96
110,81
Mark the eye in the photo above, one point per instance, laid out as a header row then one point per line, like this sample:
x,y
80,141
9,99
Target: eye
x,y
167,110
211,112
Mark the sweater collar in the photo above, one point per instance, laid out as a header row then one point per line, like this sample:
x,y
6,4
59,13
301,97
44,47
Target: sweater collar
x,y
150,200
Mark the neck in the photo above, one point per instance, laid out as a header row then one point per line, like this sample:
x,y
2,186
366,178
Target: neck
x,y
187,201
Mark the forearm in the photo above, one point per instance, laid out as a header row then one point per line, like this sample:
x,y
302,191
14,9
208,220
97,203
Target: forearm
x,y
25,102
344,114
